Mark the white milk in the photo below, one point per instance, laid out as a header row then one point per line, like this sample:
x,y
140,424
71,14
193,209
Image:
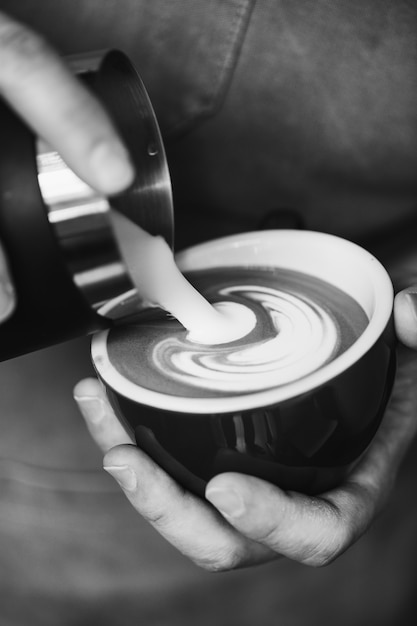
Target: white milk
x,y
158,279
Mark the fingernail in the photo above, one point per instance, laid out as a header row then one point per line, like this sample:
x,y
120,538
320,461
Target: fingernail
x,y
228,502
124,475
93,409
113,166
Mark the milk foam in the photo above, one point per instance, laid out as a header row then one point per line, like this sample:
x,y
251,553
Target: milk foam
x,y
302,323
301,337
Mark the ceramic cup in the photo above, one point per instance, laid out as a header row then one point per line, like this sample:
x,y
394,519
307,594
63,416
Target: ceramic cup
x,y
302,435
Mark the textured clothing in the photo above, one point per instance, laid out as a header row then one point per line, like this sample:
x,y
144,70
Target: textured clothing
x,y
275,114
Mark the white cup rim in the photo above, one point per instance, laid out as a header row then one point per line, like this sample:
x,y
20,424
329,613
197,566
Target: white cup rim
x,y
339,257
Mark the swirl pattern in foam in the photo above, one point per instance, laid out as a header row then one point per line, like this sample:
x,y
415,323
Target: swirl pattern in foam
x,y
301,337
302,323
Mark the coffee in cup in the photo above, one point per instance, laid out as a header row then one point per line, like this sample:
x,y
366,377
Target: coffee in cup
x,y
301,323
296,399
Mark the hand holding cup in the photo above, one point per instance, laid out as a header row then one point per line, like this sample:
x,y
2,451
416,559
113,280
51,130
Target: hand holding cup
x,y
267,522
260,521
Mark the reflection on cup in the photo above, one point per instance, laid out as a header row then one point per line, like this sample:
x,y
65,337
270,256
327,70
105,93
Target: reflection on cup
x,y
297,400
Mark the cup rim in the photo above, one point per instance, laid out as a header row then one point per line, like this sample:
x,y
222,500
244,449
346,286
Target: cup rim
x,y
198,256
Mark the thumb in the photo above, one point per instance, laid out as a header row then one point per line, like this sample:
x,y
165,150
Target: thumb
x,y
405,316
310,530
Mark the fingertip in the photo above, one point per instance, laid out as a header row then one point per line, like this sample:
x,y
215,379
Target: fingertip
x,y
124,454
223,481
246,484
405,317
239,497
111,168
124,475
88,387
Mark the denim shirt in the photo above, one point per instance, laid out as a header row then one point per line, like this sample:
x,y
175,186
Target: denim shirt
x,y
275,113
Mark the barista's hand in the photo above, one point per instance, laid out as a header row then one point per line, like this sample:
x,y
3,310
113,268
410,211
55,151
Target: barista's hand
x,y
259,522
41,89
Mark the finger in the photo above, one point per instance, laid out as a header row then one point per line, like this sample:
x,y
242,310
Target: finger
x,y
102,423
405,316
7,294
191,526
186,521
54,103
313,531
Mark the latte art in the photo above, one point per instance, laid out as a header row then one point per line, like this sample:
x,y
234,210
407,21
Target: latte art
x,y
297,337
302,323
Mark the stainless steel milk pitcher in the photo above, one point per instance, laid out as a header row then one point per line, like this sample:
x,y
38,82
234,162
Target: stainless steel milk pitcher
x,y
65,258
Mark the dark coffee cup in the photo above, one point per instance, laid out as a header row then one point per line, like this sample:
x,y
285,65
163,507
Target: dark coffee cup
x,y
304,434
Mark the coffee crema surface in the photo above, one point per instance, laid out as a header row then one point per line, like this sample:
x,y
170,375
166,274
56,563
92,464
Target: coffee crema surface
x,y
302,323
